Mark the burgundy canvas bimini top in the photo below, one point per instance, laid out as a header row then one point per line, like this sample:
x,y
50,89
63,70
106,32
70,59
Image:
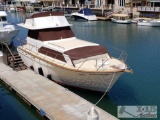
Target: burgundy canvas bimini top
x,y
84,52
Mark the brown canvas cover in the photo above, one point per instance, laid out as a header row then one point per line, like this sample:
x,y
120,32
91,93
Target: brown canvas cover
x,y
85,52
51,33
52,53
43,14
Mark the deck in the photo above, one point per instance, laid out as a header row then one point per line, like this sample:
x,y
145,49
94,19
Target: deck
x,y
55,101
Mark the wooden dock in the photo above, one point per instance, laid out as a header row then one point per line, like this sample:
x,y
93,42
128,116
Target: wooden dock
x,y
103,18
52,100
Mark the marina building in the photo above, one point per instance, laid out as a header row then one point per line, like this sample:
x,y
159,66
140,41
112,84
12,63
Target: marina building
x,y
142,8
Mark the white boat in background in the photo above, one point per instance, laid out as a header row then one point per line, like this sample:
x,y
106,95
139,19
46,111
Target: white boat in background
x,y
7,30
84,14
121,18
151,22
11,8
135,20
53,51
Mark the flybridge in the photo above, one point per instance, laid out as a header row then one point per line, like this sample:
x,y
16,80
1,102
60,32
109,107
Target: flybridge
x,y
45,20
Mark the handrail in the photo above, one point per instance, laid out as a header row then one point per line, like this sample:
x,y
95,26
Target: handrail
x,y
101,65
122,56
82,63
8,49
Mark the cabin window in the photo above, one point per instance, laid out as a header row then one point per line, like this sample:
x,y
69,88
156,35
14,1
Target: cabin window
x,y
3,18
32,68
40,71
49,76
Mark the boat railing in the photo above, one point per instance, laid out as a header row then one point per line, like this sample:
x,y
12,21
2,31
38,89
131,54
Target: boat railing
x,y
4,44
82,64
23,42
102,65
99,64
8,53
118,53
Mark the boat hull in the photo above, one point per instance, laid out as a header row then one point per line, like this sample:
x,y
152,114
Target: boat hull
x,y
95,81
84,17
154,24
8,35
121,21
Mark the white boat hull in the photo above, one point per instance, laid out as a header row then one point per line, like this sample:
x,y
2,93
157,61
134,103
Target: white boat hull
x,y
12,9
85,17
155,24
85,80
121,21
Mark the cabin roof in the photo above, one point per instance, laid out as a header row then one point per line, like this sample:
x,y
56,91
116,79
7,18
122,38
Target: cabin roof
x,y
85,52
78,53
70,43
45,20
44,14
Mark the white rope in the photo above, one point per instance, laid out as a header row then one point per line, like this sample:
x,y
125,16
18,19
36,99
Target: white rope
x,y
106,90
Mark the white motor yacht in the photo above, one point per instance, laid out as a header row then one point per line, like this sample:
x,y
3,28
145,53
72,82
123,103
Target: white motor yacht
x,y
149,22
52,50
121,18
84,14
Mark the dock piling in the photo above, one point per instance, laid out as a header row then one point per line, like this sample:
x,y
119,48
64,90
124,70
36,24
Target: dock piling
x,y
92,114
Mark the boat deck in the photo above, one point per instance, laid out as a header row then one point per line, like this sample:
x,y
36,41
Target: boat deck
x,y
70,43
101,64
57,102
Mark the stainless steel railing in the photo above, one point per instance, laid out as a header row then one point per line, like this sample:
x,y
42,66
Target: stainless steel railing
x,y
123,56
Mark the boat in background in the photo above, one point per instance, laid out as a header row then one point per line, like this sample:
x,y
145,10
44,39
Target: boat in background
x,y
53,51
149,22
121,18
84,14
7,30
12,8
135,20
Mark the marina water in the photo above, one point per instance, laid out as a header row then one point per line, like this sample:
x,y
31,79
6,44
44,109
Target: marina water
x,y
139,88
